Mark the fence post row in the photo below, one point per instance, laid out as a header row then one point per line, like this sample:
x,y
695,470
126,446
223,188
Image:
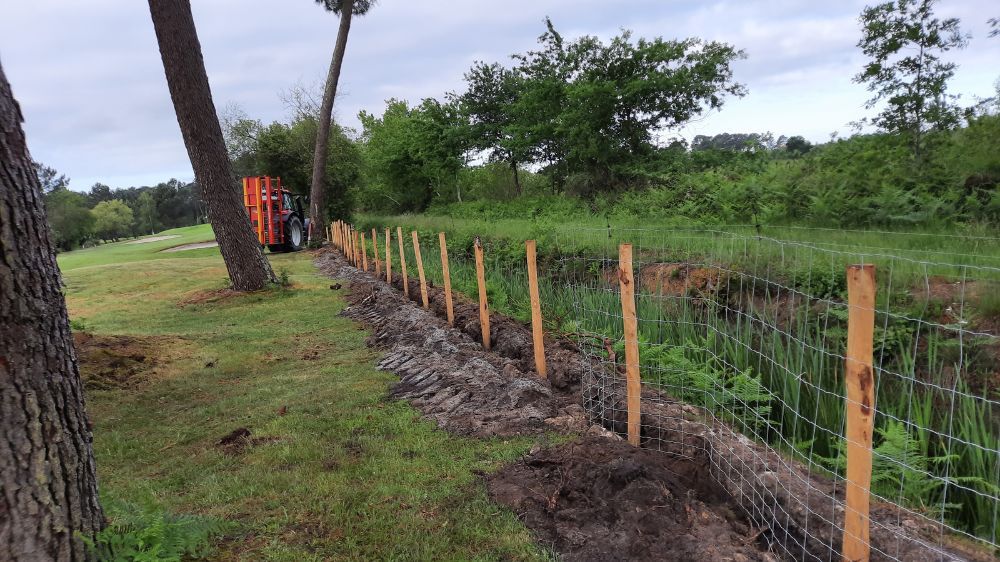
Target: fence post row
x,y
859,382
633,386
537,335
388,257
484,310
378,266
420,270
447,280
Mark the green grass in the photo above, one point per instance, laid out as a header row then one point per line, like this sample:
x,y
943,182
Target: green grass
x,y
344,474
126,251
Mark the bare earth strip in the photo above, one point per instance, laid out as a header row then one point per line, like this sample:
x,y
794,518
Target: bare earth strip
x,y
154,239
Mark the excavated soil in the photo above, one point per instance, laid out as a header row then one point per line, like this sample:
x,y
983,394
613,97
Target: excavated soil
x,y
446,374
108,362
598,499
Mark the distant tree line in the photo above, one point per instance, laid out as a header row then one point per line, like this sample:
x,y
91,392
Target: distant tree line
x,y
106,214
592,120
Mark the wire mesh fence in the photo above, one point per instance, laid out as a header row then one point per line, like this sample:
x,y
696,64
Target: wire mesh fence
x,y
742,341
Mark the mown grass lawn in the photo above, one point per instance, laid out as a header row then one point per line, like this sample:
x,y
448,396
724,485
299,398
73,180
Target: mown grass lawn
x,y
340,473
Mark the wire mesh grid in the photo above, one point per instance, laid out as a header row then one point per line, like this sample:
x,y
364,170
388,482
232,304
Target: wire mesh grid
x,y
751,331
742,352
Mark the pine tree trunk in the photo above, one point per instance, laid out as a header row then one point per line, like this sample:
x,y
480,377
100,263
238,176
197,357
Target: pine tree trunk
x,y
48,484
317,199
180,50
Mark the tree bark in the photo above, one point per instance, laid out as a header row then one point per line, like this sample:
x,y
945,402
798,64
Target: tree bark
x,y
317,199
184,67
48,483
517,178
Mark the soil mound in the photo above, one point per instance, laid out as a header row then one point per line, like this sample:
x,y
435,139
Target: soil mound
x,y
602,499
108,362
445,373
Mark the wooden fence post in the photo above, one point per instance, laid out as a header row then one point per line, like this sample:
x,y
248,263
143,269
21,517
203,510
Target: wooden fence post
x,y
364,252
402,261
633,385
859,381
537,334
354,242
484,310
447,280
350,244
420,270
388,256
378,266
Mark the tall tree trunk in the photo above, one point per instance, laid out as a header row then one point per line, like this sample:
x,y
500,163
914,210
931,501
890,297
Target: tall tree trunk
x,y
317,199
48,484
180,50
517,178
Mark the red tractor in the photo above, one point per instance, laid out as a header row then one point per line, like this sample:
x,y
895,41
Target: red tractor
x,y
278,217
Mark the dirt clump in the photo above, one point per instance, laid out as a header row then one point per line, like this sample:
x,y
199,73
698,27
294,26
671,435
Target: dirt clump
x,y
602,499
108,362
239,440
208,296
680,279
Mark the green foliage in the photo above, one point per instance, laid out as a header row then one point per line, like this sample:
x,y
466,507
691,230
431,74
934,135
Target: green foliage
x,y
147,534
589,111
286,150
112,219
146,221
412,156
70,219
901,469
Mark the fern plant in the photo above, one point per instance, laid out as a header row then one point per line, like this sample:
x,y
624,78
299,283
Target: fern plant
x,y
147,534
902,472
737,397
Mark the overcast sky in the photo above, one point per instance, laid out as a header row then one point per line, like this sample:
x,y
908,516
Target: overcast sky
x,y
90,82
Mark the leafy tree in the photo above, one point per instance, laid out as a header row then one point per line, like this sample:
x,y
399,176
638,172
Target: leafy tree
x,y
71,221
412,155
112,219
489,110
50,503
191,94
904,42
798,145
49,178
99,192
592,110
145,213
347,9
286,151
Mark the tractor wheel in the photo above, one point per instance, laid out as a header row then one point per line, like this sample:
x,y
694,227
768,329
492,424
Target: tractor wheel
x,y
294,235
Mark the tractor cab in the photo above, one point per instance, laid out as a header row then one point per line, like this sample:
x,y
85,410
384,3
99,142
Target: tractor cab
x,y
278,217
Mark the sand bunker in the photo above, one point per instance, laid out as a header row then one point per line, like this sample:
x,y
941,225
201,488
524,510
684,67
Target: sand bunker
x,y
195,246
154,239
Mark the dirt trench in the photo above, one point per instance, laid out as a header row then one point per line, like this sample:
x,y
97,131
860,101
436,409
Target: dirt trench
x,y
757,505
